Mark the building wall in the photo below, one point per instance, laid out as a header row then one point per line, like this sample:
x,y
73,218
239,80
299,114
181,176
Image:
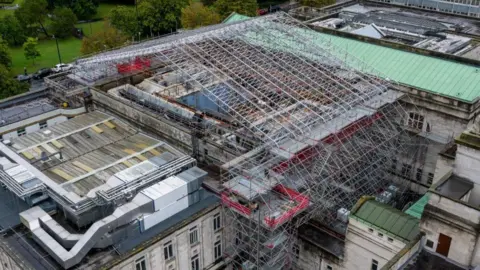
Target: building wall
x,y
467,164
183,251
456,220
33,124
362,246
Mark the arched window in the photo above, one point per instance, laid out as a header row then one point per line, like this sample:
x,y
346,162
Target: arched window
x,y
415,120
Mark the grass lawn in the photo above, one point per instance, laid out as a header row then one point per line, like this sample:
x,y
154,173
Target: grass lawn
x,y
69,50
103,10
95,27
4,12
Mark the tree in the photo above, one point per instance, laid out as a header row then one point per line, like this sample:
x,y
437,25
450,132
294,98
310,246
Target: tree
x,y
33,12
11,30
84,9
161,16
30,49
5,59
317,3
124,20
208,2
8,85
108,39
63,22
244,7
196,15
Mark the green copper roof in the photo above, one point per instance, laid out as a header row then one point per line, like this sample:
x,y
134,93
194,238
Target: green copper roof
x,y
388,219
461,81
235,17
416,210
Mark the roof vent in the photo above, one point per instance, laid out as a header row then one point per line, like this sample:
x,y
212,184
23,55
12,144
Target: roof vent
x,y
47,132
7,142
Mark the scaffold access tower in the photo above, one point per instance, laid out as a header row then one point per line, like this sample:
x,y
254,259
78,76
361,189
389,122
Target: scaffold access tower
x,y
326,128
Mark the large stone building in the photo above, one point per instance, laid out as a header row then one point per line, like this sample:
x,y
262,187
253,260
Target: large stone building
x,y
96,174
376,233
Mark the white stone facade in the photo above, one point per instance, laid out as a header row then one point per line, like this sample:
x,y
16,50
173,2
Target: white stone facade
x,y
183,251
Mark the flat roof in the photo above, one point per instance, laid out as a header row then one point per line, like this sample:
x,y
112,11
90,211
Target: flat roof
x,y
429,260
322,239
455,187
25,109
26,250
83,153
444,77
387,218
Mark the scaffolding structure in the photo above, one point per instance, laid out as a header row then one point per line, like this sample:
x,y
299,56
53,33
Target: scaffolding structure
x,y
326,128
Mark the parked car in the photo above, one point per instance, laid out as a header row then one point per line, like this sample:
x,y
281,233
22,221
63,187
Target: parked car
x,y
62,67
24,78
42,73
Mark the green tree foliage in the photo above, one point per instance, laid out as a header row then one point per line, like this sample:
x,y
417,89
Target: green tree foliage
x,y
108,39
244,7
196,15
154,16
63,22
30,49
5,59
33,13
8,85
124,20
84,9
161,16
11,30
317,3
208,2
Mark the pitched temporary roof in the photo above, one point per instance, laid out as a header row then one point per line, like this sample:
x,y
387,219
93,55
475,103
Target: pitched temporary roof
x,y
444,77
389,219
416,210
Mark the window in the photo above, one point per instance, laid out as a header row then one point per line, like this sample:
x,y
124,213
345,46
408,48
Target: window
x,y
217,222
168,250
394,164
43,125
217,248
374,265
380,234
370,230
418,176
415,120
205,151
140,264
429,243
193,235
296,251
406,169
390,239
430,179
195,263
329,267
21,132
